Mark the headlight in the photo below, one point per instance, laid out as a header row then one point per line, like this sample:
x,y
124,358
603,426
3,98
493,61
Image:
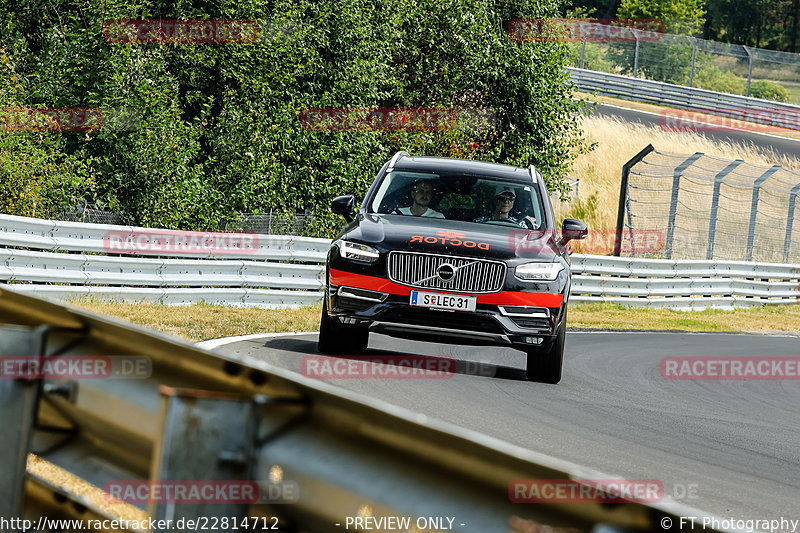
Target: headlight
x,y
539,271
358,252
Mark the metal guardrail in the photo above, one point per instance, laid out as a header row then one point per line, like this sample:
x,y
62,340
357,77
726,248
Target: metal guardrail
x,y
675,284
763,112
244,419
683,284
278,271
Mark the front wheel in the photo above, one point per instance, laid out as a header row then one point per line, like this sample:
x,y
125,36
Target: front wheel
x,y
336,338
544,364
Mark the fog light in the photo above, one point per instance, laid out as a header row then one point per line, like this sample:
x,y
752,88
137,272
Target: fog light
x,y
534,340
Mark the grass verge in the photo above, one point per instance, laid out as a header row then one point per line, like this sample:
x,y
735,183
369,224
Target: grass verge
x,y
203,321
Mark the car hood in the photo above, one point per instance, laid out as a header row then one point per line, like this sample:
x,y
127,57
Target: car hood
x,y
452,237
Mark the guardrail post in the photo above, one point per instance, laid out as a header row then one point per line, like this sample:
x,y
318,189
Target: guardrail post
x,y
749,69
751,231
694,54
623,194
787,241
712,221
673,204
18,406
222,429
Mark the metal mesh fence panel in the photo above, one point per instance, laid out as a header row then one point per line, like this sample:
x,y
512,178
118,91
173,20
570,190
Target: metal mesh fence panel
x,y
712,208
90,215
270,223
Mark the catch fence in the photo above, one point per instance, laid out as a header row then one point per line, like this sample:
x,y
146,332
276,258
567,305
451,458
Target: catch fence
x,y
710,208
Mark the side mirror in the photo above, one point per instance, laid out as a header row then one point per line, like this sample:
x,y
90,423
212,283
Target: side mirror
x,y
343,205
572,229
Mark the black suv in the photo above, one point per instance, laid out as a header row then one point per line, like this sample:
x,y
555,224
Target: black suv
x,y
451,250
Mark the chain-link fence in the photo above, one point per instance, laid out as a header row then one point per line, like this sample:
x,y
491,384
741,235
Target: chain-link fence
x,y
684,60
90,215
271,223
710,208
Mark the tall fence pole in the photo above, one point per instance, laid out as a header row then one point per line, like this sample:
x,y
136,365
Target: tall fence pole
x,y
787,241
694,55
673,204
712,221
583,52
751,228
623,195
749,69
636,52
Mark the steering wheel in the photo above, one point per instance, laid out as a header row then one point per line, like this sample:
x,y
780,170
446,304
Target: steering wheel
x,y
504,220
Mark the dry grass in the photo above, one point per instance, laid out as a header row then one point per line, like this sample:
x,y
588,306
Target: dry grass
x,y
201,322
610,316
600,170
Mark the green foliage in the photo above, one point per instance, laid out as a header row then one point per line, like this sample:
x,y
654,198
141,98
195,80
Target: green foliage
x,y
767,90
683,17
220,131
712,78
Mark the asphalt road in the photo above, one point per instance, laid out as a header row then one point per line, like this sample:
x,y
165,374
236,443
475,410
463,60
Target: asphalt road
x,y
731,448
764,142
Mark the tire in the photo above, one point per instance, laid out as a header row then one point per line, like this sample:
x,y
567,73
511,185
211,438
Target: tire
x,y
544,364
338,339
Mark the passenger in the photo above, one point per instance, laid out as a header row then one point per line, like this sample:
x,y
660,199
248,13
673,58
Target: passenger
x,y
503,204
422,195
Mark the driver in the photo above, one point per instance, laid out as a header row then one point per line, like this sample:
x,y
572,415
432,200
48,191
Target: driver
x,y
422,195
503,203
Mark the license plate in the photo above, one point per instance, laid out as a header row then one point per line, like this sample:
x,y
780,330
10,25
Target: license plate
x,y
438,300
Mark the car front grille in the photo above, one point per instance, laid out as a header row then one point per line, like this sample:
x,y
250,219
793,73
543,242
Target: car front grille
x,y
471,275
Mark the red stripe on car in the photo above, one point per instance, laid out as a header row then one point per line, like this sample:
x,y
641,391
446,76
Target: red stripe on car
x,y
360,281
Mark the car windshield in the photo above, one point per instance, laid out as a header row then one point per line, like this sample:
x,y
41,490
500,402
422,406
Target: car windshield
x,y
463,197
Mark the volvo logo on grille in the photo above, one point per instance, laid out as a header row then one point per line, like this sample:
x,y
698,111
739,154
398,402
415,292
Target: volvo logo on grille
x,y
446,271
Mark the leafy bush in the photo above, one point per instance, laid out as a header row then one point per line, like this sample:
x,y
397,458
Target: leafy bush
x,y
712,78
768,90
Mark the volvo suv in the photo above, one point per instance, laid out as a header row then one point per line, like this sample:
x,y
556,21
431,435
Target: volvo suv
x,y
455,251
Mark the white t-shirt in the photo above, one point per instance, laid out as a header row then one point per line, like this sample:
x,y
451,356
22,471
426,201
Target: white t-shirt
x,y
429,213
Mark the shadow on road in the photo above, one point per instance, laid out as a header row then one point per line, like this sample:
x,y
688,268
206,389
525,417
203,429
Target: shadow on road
x,y
402,359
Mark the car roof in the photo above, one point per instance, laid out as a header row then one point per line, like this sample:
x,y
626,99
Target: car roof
x,y
447,165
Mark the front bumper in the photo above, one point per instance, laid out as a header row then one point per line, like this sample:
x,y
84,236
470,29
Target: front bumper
x,y
503,318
